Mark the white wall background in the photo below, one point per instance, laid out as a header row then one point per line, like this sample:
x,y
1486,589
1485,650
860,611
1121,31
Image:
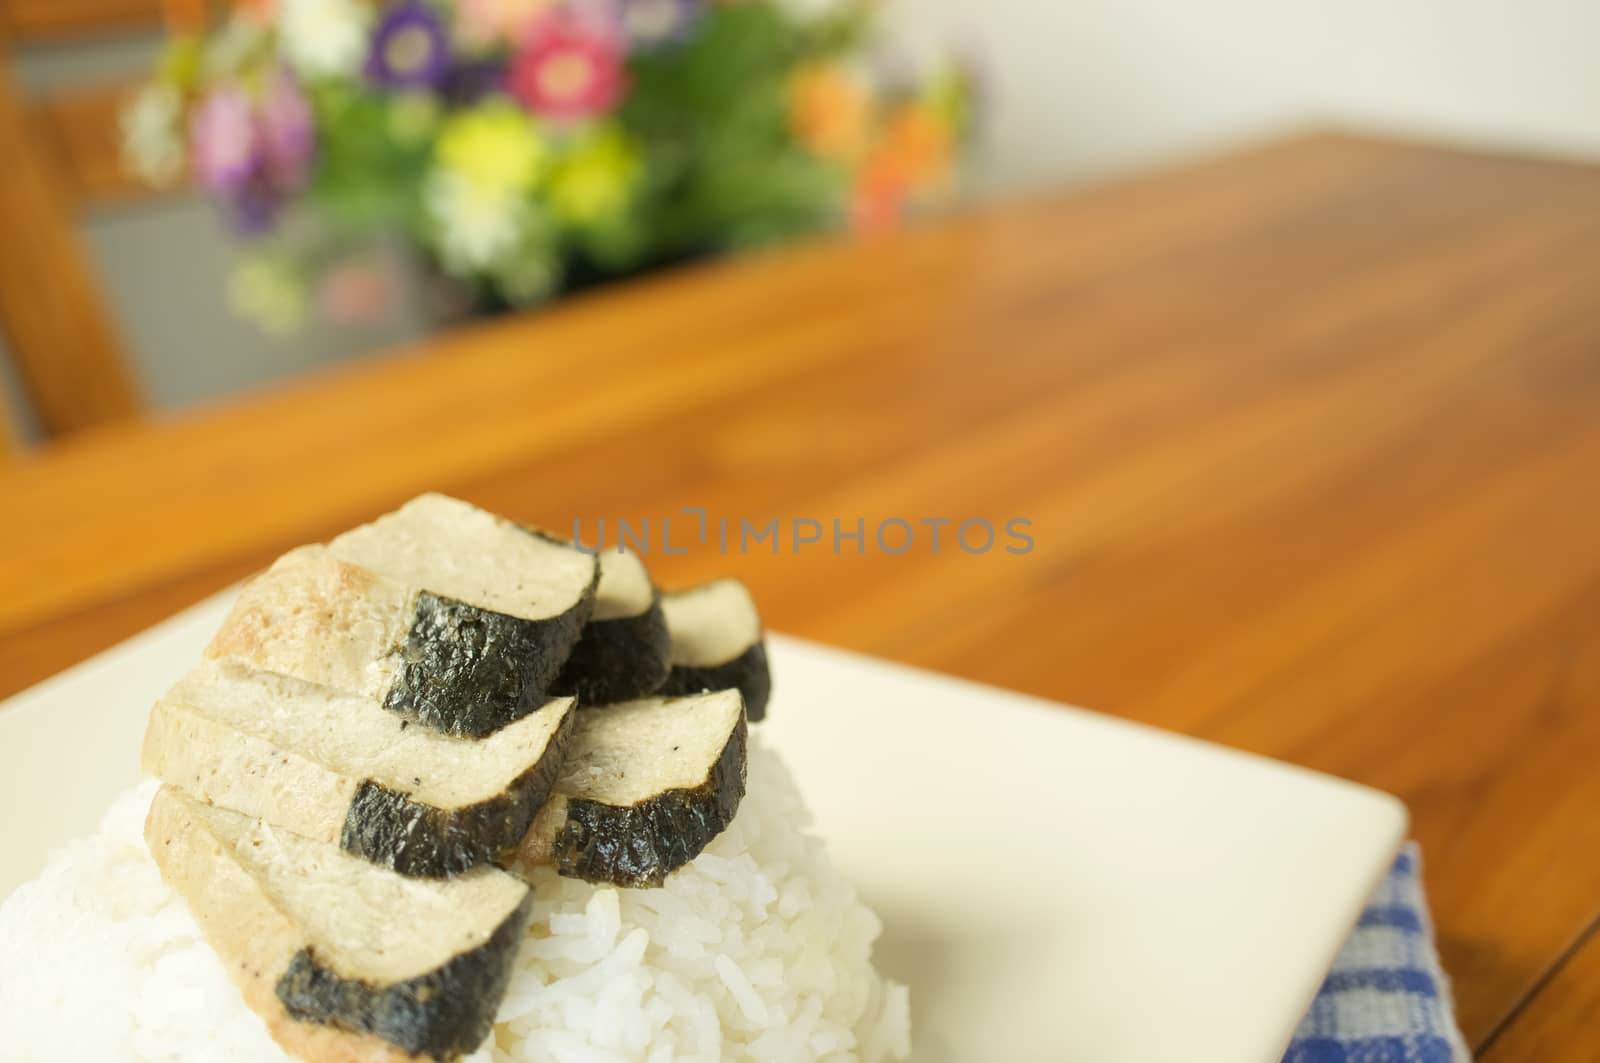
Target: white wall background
x,y
1088,87
1081,89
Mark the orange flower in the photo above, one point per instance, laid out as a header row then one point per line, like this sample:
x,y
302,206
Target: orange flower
x,y
878,199
913,161
921,148
829,110
185,15
257,11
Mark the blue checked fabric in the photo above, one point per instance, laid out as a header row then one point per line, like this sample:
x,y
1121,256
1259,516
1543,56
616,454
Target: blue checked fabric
x,y
1386,999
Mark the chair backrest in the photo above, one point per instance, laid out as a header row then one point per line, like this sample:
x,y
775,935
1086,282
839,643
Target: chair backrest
x,y
35,20
8,439
62,151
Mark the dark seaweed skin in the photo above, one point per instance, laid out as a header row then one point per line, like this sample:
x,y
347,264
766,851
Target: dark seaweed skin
x,y
747,673
639,846
468,672
443,1014
616,660
393,831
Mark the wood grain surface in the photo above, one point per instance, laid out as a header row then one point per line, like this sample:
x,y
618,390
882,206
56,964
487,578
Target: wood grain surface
x,y
1557,1026
1307,439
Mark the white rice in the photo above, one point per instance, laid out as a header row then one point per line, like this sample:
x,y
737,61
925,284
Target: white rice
x,y
759,950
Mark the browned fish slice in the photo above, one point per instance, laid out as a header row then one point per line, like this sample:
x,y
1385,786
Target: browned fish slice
x,y
717,644
346,962
447,615
645,787
625,650
336,768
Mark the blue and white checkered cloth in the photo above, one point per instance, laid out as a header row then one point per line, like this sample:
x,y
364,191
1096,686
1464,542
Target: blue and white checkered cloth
x,y
1386,999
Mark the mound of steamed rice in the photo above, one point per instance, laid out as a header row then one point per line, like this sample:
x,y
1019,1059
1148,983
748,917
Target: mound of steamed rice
x,y
759,950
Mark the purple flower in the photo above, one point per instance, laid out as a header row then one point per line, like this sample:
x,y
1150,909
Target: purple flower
x,y
227,149
470,80
251,154
254,208
288,134
409,49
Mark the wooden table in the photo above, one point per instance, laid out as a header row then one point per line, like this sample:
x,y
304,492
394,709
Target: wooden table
x,y
1309,440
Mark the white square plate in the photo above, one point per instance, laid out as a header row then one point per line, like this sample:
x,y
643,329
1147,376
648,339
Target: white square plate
x,y
1055,885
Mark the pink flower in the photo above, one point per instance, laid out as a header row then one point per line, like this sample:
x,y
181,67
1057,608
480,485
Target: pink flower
x,y
226,148
358,293
253,154
288,132
486,22
569,68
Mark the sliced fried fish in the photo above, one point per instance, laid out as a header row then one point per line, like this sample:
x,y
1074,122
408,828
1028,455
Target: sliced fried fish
x,y
336,768
645,788
447,615
346,962
717,644
625,650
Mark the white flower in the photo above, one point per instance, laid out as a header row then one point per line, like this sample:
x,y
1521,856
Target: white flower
x,y
324,38
528,275
268,292
152,137
231,47
477,225
812,10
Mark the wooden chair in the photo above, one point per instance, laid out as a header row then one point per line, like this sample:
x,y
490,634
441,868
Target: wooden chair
x,y
8,439
61,152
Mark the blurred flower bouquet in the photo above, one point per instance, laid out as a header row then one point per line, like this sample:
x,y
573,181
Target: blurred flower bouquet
x,y
529,146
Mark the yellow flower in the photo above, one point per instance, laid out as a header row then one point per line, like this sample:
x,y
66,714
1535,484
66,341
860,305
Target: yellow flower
x,y
495,147
266,290
830,111
595,181
949,95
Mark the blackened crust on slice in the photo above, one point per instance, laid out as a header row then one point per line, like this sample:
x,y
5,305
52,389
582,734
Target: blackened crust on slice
x,y
394,831
640,845
618,660
444,1014
468,672
747,673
